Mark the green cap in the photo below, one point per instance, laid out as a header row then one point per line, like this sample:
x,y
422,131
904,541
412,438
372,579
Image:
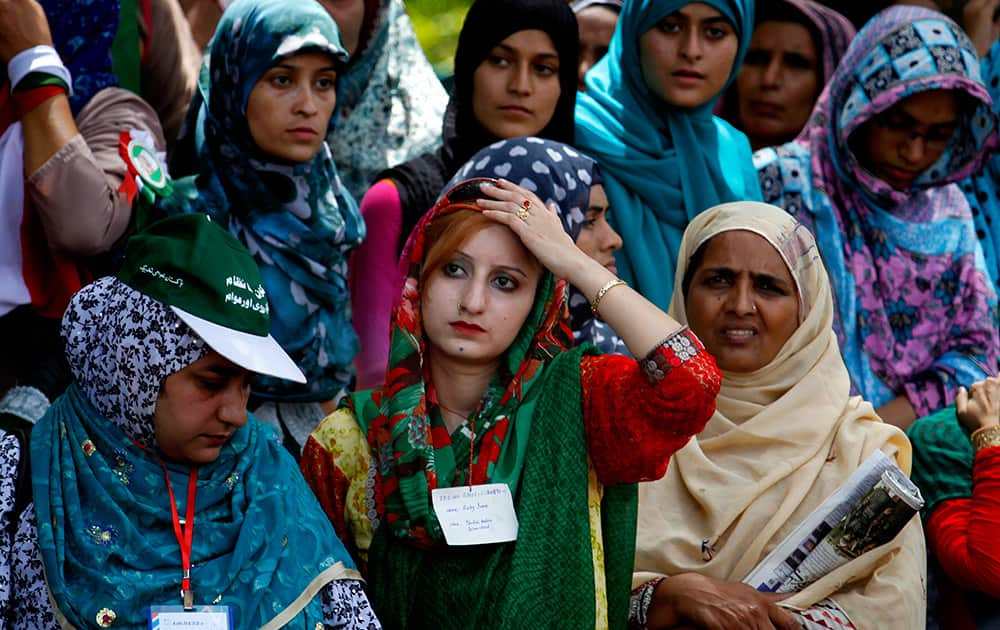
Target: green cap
x,y
208,278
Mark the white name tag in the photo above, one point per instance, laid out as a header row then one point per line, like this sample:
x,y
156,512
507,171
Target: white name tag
x,y
200,618
479,515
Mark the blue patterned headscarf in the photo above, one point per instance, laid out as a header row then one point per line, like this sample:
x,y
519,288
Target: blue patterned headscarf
x,y
296,219
83,31
916,315
562,176
105,528
662,165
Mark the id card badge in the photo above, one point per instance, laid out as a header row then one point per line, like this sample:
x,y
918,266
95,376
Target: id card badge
x,y
198,618
477,515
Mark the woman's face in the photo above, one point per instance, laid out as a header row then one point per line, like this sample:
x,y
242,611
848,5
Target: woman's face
x,y
200,408
903,141
778,83
349,16
597,238
475,304
516,88
687,57
290,107
596,26
742,301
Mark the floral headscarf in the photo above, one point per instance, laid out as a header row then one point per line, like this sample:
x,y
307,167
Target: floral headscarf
x,y
121,345
562,176
105,530
915,313
296,219
412,449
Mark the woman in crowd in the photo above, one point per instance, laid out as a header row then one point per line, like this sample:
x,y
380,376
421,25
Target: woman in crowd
x,y
483,387
389,101
61,116
956,464
785,435
596,20
161,361
259,125
646,118
571,184
515,75
902,118
795,48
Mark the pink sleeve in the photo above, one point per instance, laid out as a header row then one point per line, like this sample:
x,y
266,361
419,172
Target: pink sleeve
x,y
375,281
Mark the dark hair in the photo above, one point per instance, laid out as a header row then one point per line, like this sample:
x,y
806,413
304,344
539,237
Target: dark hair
x,y
694,263
487,24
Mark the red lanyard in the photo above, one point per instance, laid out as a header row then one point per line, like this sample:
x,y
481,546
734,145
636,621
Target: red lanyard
x,y
184,532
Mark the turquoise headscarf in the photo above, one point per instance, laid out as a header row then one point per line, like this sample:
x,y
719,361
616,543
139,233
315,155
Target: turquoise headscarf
x,y
296,219
105,528
662,165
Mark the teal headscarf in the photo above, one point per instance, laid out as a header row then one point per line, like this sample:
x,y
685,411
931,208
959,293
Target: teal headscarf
x,y
662,165
105,528
296,219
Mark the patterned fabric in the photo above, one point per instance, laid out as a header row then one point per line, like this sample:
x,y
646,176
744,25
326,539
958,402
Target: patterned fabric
x,y
83,32
415,588
916,315
981,190
345,605
99,492
661,165
416,452
942,459
389,101
296,219
561,176
121,344
100,504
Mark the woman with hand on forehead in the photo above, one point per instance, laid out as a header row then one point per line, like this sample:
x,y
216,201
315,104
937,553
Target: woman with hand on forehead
x,y
484,389
571,183
515,75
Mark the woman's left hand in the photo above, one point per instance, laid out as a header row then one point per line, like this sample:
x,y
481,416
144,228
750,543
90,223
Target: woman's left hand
x,y
537,226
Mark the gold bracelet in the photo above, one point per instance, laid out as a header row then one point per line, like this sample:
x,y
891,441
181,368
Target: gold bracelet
x,y
600,294
985,437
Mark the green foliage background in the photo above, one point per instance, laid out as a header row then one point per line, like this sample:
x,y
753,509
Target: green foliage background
x,y
437,23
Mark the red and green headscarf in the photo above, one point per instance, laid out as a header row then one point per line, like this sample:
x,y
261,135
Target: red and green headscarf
x,y
413,451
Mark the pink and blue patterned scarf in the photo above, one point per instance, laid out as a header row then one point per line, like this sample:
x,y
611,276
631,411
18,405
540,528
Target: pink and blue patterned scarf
x,y
916,313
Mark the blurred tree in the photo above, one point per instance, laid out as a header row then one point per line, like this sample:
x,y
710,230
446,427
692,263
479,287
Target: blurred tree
x,y
438,23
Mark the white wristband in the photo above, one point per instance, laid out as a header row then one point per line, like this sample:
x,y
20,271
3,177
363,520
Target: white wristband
x,y
37,59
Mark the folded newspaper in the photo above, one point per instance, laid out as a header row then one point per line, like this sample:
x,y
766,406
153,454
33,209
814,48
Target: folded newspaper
x,y
866,511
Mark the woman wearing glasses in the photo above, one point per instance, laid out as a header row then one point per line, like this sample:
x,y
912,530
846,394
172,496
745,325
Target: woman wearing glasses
x,y
872,175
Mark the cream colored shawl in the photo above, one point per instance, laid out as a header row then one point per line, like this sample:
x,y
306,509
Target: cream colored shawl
x,y
782,439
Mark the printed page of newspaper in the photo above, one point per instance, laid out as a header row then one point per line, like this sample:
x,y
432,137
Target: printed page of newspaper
x,y
860,515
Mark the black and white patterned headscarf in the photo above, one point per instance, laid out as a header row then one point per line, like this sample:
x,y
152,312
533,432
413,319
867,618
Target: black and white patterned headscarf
x,y
121,345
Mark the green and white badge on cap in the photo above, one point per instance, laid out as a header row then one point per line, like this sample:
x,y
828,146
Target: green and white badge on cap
x,y
209,279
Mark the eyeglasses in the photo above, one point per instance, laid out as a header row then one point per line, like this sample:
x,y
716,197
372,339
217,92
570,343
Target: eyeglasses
x,y
903,127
